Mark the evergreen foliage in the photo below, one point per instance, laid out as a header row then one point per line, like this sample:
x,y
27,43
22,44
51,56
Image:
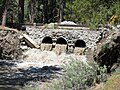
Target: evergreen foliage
x,y
92,12
88,12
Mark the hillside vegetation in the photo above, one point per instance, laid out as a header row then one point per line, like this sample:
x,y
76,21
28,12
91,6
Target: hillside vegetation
x,y
87,12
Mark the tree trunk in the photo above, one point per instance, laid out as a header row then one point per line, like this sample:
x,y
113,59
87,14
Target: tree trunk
x,y
61,8
53,7
4,12
4,17
45,11
32,10
21,11
50,8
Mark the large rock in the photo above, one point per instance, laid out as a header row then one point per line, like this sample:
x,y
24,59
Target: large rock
x,y
9,45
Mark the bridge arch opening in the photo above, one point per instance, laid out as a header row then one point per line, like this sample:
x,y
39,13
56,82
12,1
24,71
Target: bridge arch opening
x,y
61,41
47,40
79,47
61,46
46,44
80,43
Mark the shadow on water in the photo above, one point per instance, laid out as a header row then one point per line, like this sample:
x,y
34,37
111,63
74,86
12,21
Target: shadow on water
x,y
20,76
4,87
7,63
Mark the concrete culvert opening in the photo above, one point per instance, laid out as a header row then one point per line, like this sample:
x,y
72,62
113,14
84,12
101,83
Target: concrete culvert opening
x,y
61,46
47,40
46,44
80,43
61,41
79,47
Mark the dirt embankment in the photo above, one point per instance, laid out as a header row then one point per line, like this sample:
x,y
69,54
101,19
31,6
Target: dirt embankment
x,y
9,45
108,51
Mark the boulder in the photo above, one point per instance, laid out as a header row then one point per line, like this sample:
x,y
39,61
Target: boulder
x,y
9,45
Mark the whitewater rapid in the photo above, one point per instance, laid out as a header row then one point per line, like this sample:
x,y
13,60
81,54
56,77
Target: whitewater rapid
x,y
38,58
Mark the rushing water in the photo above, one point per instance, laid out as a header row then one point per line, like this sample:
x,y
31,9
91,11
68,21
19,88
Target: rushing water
x,y
78,51
60,48
32,66
46,47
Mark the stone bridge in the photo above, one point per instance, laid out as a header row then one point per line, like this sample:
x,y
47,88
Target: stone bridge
x,y
71,38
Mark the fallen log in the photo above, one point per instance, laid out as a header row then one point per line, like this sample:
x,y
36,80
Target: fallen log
x,y
29,41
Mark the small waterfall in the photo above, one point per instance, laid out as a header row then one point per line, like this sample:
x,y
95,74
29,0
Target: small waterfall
x,y
78,51
60,48
38,58
46,47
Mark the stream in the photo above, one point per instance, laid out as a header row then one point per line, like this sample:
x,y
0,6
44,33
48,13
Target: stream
x,y
36,66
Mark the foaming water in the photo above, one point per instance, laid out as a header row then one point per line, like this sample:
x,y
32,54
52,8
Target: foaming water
x,y
38,58
46,47
78,51
60,48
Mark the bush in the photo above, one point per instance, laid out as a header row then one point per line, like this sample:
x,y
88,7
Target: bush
x,y
117,70
80,76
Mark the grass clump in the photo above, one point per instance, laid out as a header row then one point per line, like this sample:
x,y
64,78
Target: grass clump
x,y
80,75
113,83
117,70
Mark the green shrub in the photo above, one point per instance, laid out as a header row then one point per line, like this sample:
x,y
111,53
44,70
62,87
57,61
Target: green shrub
x,y
80,76
117,70
105,47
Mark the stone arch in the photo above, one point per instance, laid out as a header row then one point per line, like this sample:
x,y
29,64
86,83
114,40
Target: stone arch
x,y
47,40
61,46
80,43
79,47
46,44
61,40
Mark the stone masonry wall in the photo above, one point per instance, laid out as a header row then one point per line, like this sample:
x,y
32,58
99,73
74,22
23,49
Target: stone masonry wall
x,y
90,37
